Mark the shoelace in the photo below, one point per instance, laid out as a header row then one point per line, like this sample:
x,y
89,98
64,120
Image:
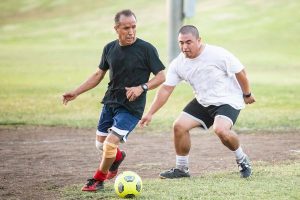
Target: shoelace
x,y
91,181
175,169
243,166
172,170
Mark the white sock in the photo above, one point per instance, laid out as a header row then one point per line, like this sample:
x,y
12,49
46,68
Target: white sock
x,y
239,154
182,162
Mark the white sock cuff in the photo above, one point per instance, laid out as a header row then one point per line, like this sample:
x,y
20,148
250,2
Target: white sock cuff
x,y
239,150
182,157
239,153
182,162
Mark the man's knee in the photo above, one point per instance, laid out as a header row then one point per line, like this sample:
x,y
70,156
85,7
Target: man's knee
x,y
184,123
109,150
219,130
99,145
178,128
222,132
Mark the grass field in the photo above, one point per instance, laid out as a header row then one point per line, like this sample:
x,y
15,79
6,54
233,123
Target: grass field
x,y
270,182
49,47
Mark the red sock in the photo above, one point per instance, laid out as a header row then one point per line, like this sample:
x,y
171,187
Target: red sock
x,y
100,176
119,155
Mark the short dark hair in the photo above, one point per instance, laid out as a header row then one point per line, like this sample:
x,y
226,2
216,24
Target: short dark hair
x,y
189,29
126,13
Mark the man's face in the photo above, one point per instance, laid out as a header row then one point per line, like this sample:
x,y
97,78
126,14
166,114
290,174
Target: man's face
x,y
126,29
189,45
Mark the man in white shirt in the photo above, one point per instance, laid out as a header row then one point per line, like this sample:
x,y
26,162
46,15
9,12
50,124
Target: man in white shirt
x,y
221,90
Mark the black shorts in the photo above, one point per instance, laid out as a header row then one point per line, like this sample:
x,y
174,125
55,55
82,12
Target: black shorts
x,y
206,115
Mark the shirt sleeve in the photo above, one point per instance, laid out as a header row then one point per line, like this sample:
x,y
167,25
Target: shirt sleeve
x,y
154,62
172,78
103,62
233,65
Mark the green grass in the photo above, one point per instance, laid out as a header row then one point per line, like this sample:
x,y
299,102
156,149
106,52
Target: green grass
x,y
267,182
49,47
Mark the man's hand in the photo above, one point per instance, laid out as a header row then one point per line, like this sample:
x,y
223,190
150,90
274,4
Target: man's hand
x,y
249,100
146,119
68,96
132,93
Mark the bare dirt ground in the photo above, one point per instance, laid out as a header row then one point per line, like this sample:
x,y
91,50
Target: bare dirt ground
x,y
35,162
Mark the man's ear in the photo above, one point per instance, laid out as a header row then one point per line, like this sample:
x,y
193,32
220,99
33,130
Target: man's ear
x,y
116,28
199,40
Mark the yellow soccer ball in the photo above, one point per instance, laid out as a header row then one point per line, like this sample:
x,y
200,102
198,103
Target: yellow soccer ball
x,y
128,184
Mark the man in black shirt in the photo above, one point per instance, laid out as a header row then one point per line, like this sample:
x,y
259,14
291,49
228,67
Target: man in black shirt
x,y
130,61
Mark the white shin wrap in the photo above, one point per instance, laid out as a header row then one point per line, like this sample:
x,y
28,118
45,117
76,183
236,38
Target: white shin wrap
x,y
99,145
109,150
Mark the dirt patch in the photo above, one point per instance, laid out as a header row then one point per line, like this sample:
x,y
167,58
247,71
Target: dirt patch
x,y
36,161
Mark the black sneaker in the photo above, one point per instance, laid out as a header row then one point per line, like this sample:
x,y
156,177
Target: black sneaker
x,y
93,185
245,167
113,170
174,173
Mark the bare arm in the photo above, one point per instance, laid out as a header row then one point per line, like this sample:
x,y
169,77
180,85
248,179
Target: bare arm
x,y
157,80
134,92
90,83
160,99
244,83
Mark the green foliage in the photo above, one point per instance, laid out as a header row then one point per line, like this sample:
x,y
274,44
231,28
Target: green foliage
x,y
49,47
267,182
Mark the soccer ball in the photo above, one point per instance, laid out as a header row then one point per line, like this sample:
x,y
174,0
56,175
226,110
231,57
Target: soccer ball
x,y
128,184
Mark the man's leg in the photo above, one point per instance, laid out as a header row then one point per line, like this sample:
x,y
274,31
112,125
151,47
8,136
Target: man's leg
x,y
105,122
109,147
120,156
222,127
113,170
182,142
124,123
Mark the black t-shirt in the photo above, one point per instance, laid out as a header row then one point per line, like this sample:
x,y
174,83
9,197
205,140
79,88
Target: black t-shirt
x,y
129,66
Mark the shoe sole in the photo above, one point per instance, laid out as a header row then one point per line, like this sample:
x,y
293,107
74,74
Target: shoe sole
x,y
89,190
246,176
85,190
162,177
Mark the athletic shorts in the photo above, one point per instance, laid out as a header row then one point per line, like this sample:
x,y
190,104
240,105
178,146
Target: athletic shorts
x,y
206,115
117,120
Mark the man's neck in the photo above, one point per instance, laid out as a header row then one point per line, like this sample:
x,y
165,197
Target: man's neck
x,y
122,45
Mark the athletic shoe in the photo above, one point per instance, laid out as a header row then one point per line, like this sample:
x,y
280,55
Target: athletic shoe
x,y
113,170
174,173
93,185
245,167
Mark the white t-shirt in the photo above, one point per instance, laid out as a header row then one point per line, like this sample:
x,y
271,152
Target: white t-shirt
x,y
212,76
